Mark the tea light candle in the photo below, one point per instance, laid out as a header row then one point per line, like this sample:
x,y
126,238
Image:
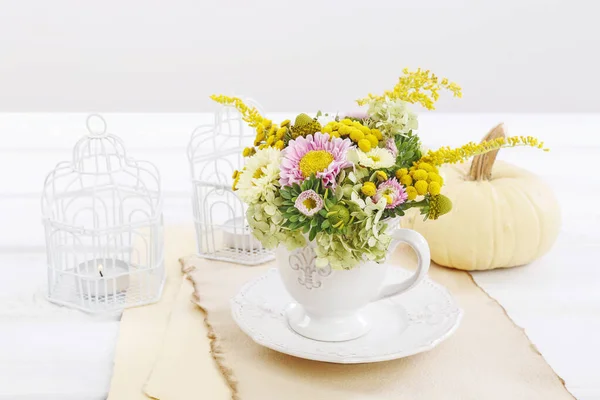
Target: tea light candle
x,y
102,276
237,235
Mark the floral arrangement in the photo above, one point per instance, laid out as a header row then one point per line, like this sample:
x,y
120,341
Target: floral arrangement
x,y
339,180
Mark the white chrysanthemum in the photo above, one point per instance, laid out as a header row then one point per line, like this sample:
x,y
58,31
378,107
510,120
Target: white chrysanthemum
x,y
376,158
260,175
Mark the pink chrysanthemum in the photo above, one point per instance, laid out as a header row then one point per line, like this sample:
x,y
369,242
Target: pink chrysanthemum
x,y
309,203
392,191
390,144
314,155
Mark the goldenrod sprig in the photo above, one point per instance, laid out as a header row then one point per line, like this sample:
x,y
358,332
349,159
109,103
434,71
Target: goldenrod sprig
x,y
447,155
268,134
420,86
249,114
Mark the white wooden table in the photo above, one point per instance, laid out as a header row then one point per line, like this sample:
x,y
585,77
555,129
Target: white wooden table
x,y
49,352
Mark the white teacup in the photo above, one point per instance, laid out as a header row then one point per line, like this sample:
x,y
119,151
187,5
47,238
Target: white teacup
x,y
329,303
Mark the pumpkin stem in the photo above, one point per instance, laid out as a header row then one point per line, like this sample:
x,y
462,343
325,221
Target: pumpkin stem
x,y
481,167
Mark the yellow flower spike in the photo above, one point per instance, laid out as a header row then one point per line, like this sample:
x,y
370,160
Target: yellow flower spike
x,y
364,145
281,133
421,187
368,189
406,180
446,155
434,188
373,140
346,121
259,138
417,87
401,172
285,123
327,129
249,114
279,145
411,192
377,134
248,151
270,140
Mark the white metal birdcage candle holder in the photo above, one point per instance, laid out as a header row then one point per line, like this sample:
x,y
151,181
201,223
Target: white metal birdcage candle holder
x,y
102,215
215,152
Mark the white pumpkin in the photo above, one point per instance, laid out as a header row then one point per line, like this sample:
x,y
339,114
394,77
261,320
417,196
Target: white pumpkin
x,y
502,216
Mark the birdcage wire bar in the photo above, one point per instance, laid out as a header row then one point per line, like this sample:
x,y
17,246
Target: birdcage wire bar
x,y
214,153
102,214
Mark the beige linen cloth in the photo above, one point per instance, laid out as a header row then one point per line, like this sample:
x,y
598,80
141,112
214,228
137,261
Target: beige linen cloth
x,y
488,357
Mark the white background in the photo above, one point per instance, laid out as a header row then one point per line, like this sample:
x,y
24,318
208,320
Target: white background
x,y
168,56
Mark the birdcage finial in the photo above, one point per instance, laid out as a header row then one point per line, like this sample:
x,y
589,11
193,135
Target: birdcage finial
x,y
96,125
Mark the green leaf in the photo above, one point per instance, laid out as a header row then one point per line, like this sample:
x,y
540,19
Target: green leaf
x,y
294,218
312,234
305,228
325,224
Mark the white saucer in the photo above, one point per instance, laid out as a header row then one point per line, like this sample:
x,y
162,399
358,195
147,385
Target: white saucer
x,y
404,325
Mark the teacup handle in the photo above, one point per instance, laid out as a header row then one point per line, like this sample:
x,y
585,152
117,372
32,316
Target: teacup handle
x,y
420,246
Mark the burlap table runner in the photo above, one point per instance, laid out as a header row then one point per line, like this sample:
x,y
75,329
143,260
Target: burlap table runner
x,y
487,358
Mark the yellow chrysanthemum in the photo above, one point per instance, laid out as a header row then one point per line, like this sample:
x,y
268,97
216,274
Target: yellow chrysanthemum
x,y
419,175
401,172
368,189
434,188
411,192
381,176
421,187
377,133
364,145
426,167
356,135
374,141
434,177
406,180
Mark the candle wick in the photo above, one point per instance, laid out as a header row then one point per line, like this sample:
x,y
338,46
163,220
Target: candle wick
x,y
101,275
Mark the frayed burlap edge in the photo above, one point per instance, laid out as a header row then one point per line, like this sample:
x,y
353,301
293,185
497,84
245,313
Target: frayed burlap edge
x,y
215,347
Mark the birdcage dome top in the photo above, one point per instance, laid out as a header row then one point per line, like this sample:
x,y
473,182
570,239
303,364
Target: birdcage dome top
x,y
101,188
98,151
